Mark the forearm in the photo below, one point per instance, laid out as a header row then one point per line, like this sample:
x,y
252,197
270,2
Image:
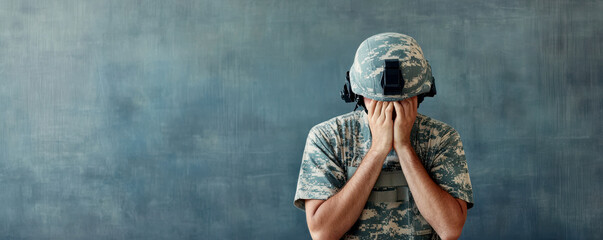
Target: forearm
x,y
438,207
337,215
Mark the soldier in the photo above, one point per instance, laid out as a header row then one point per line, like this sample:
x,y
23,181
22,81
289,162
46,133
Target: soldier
x,y
387,172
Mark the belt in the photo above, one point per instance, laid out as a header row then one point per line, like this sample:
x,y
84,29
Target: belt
x,y
395,180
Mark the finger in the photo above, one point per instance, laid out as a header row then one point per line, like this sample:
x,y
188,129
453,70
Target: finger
x,y
374,106
383,107
399,109
414,103
377,108
371,107
406,106
389,110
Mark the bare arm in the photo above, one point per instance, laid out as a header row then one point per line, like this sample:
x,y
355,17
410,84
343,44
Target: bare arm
x,y
444,213
332,218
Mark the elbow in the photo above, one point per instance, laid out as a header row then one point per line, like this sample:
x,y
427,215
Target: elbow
x,y
319,233
314,232
450,236
322,232
451,233
317,225
451,230
454,228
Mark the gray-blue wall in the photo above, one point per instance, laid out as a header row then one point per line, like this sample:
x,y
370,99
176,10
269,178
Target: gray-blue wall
x,y
187,119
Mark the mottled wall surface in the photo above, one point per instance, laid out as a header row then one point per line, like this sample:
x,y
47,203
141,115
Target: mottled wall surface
x,y
187,119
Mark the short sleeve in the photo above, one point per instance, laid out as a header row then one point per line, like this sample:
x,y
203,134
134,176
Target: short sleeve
x,y
321,174
449,167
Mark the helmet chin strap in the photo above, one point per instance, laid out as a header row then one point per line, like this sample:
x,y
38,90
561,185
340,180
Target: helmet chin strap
x,y
358,104
360,99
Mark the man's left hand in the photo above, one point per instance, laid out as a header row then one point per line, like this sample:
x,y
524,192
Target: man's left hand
x,y
406,113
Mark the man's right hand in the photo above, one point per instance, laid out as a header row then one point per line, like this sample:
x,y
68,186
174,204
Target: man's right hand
x,y
381,125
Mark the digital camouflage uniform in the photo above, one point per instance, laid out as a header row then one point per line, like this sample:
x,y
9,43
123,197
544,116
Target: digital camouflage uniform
x,y
332,147
335,148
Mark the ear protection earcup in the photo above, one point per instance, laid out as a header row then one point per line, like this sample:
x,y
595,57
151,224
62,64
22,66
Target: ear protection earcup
x,y
347,94
432,92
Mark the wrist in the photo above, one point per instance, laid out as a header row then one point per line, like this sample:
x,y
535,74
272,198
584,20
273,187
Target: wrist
x,y
405,153
380,153
402,147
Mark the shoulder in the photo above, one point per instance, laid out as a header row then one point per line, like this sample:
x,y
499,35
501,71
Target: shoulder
x,y
340,130
436,135
338,124
435,128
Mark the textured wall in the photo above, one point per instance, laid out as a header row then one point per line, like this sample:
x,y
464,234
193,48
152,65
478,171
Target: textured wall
x,y
187,119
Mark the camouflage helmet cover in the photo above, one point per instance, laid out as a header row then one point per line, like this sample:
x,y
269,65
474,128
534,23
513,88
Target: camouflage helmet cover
x,y
368,66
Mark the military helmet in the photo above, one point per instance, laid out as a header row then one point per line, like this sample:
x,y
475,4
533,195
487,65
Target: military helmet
x,y
389,67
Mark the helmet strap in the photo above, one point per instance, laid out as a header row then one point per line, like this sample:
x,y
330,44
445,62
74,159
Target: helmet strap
x,y
360,102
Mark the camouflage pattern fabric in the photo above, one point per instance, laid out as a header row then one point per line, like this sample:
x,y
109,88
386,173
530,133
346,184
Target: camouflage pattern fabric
x,y
368,66
342,142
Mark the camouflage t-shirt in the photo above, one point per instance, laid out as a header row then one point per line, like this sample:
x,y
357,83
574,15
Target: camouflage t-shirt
x,y
339,144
